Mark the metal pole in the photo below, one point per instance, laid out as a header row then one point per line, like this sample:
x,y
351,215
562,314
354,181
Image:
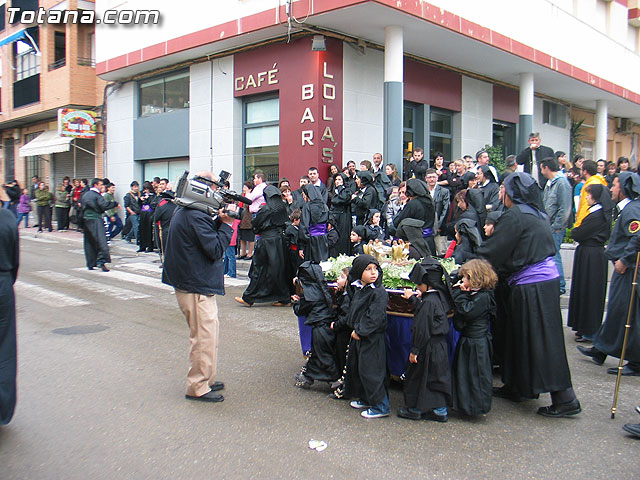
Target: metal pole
x,y
627,328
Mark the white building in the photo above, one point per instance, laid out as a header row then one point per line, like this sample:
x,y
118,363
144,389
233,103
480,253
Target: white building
x,y
236,84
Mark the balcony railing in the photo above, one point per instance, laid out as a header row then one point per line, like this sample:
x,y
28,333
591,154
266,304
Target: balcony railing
x,y
57,64
86,62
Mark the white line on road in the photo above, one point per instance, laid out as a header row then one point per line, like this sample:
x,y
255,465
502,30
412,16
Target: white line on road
x,y
101,288
145,267
130,277
235,282
48,297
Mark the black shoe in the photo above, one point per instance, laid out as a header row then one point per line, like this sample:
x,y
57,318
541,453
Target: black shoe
x,y
302,381
404,412
596,355
508,394
90,268
561,410
140,250
104,268
216,386
207,397
627,371
431,415
633,429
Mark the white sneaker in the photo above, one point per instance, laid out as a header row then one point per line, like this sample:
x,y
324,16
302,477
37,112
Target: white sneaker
x,y
369,413
358,404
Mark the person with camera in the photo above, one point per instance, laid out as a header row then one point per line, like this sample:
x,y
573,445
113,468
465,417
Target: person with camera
x,y
193,266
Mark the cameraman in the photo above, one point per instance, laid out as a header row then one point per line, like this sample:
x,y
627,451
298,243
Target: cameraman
x,y
193,265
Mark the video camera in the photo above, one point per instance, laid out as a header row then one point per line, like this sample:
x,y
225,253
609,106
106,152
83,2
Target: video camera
x,y
206,195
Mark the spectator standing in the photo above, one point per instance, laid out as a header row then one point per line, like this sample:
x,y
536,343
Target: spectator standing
x,y
418,165
24,207
132,206
557,203
442,201
63,202
591,177
380,179
531,157
115,222
43,200
246,235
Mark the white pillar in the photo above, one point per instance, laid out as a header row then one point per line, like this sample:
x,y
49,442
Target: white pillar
x,y
526,109
601,130
393,54
393,95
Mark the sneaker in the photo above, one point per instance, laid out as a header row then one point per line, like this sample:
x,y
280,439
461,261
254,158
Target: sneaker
x,y
638,409
371,413
358,404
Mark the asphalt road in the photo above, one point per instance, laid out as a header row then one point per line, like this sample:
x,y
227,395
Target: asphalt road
x,y
102,366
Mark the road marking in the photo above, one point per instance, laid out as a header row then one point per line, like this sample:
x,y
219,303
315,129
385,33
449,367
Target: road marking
x,y
37,239
145,267
130,277
48,297
101,288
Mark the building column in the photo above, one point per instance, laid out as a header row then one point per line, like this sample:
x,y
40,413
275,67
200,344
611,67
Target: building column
x,y
393,96
525,126
601,130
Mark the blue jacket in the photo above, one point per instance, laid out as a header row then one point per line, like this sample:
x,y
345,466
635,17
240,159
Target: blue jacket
x,y
193,255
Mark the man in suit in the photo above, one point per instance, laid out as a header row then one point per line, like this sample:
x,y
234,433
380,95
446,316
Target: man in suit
x,y
531,157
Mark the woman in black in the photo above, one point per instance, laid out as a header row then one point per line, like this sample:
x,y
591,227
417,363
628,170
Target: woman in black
x,y
145,228
365,198
419,207
589,278
341,212
488,185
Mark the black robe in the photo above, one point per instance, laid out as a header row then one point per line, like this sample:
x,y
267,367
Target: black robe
x,y
363,202
535,359
316,305
491,195
427,384
589,277
610,336
269,273
341,211
145,228
315,212
472,368
422,209
9,246
366,376
291,236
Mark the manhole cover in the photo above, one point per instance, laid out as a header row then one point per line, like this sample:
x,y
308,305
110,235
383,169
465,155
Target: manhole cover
x,y
80,329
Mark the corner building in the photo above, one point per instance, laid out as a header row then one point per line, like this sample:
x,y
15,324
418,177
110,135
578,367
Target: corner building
x,y
281,86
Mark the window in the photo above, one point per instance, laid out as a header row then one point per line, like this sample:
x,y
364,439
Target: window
x,y
9,160
27,62
33,162
261,136
59,51
2,15
164,94
504,136
587,149
408,134
554,114
440,136
171,169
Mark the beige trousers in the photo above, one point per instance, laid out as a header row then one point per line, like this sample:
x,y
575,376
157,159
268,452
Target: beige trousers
x,y
201,312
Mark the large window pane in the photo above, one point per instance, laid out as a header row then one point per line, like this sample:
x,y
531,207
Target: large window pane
x,y
440,123
151,99
263,111
440,144
408,117
176,92
261,142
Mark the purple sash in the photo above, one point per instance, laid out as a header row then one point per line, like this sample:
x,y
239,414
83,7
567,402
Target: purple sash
x,y
318,229
538,272
427,232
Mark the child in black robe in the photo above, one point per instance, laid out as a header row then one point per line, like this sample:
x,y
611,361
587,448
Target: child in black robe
x,y
291,233
374,229
427,384
475,309
317,305
358,239
343,332
367,378
468,239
